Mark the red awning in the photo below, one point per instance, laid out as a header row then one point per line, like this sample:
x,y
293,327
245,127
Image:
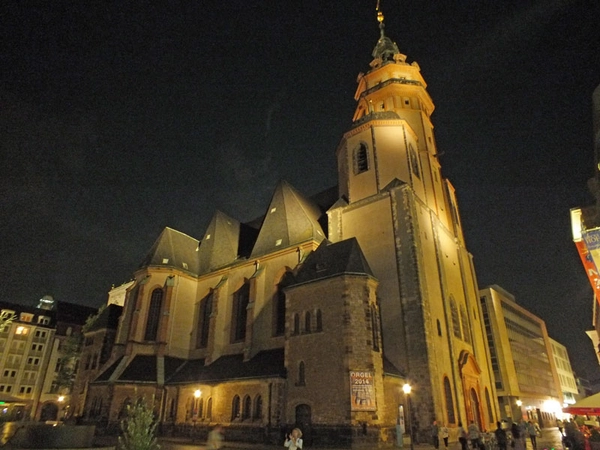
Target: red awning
x,y
589,406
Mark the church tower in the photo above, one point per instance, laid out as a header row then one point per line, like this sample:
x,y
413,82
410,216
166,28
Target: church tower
x,y
403,213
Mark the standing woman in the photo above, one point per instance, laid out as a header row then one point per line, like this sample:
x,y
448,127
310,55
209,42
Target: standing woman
x,y
294,440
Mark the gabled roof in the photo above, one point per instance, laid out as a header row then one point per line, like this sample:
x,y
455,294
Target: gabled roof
x,y
173,249
290,219
344,257
268,363
220,244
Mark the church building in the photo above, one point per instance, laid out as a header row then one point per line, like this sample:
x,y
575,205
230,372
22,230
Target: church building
x,y
318,313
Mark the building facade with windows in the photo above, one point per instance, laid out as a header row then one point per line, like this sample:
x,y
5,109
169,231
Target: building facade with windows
x,y
566,378
527,381
318,312
25,347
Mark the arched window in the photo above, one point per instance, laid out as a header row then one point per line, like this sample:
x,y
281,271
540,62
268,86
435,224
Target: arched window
x,y
209,408
124,410
449,401
258,407
465,325
414,161
361,158
235,408
206,305
489,406
240,313
154,315
455,319
301,374
200,408
279,305
319,316
296,324
307,322
247,410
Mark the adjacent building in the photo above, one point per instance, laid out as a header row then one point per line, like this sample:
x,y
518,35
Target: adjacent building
x,y
527,382
317,313
566,377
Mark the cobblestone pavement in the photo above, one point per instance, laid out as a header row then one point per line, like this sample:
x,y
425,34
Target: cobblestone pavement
x,y
550,440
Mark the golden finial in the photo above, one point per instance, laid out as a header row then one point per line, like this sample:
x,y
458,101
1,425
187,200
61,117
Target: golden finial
x,y
379,13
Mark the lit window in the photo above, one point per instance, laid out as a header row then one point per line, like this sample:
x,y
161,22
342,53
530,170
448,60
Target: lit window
x,y
22,330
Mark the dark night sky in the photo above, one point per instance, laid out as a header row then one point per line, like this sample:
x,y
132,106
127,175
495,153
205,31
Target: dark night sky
x,y
118,120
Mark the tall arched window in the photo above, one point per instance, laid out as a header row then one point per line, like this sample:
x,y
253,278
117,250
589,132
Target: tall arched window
x,y
279,305
319,317
240,313
209,408
258,407
247,409
301,374
296,324
465,325
449,401
206,305
153,315
455,319
361,158
307,322
235,408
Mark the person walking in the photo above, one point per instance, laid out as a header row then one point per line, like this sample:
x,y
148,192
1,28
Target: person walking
x,y
532,432
517,438
294,440
215,438
435,435
444,435
501,438
474,435
462,436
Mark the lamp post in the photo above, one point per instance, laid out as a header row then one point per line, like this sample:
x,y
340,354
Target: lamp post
x,y
406,389
197,394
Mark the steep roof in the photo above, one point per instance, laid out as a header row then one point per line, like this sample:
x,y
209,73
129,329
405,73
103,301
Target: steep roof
x,y
344,257
268,363
220,244
290,219
174,249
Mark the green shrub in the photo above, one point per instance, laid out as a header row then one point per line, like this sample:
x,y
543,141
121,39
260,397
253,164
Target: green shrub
x,y
139,428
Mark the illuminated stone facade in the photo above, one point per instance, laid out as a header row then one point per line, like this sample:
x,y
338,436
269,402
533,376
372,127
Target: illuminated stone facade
x,y
316,314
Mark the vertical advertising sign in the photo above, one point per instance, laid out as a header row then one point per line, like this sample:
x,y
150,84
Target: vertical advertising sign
x,y
590,267
362,391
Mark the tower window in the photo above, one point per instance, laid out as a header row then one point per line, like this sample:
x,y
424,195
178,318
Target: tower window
x,y
204,321
414,161
361,158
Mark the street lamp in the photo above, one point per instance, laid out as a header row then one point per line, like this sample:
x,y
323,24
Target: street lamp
x,y
406,389
61,399
197,394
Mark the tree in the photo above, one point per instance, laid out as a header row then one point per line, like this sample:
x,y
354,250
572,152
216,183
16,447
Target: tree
x,y
6,318
71,350
139,428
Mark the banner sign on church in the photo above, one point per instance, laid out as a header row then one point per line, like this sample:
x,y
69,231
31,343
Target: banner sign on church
x,y
362,391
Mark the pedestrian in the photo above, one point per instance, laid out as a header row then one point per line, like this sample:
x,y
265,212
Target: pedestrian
x,y
462,436
474,435
517,442
501,438
532,432
435,435
294,440
444,435
215,438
